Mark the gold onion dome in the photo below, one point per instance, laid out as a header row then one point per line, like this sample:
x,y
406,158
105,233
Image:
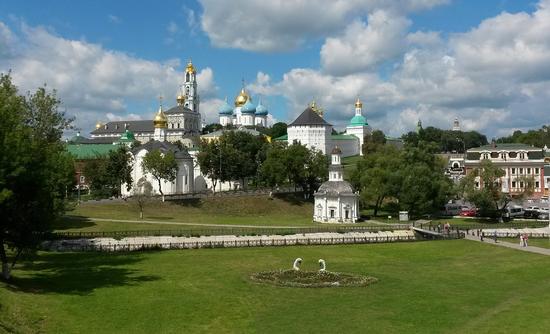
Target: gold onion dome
x,y
358,103
180,99
160,120
241,99
190,68
98,125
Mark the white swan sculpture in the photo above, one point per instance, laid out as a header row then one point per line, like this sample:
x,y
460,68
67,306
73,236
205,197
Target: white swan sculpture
x,y
297,263
323,266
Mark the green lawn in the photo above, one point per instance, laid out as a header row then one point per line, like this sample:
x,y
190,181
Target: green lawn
x,y
287,210
424,287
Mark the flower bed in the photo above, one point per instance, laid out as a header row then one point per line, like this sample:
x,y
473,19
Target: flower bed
x,y
312,279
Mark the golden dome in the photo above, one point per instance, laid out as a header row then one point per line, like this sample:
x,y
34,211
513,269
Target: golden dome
x,y
190,68
98,125
160,120
315,108
358,103
180,99
241,99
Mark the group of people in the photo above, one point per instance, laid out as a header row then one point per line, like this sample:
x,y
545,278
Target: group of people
x,y
523,238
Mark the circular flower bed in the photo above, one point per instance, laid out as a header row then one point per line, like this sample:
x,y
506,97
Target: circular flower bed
x,y
312,279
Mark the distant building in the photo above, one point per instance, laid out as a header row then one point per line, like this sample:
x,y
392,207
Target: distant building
x,y
183,120
517,160
456,125
311,130
358,126
245,113
335,201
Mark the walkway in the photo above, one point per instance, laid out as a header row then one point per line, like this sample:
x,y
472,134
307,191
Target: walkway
x,y
489,240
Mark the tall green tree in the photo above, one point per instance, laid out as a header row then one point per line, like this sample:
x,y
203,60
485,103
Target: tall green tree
x,y
378,176
278,129
162,166
273,171
36,171
108,173
210,161
373,141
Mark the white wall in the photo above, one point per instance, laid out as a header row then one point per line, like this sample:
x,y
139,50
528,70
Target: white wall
x,y
312,136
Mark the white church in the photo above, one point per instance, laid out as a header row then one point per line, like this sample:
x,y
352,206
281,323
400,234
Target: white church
x,y
335,201
245,113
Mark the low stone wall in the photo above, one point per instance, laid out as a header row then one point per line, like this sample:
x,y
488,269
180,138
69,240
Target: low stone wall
x,y
513,232
226,241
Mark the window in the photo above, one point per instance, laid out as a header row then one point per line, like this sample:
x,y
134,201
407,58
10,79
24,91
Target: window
x,y
513,184
528,170
521,184
82,179
513,171
537,184
477,184
521,171
347,214
485,155
522,155
537,171
331,213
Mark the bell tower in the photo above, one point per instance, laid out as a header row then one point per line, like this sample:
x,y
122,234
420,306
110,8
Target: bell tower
x,y
189,88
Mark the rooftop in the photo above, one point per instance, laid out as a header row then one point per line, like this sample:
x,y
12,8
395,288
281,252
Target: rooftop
x,y
309,117
90,151
505,147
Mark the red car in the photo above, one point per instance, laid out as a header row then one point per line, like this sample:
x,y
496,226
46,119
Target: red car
x,y
468,212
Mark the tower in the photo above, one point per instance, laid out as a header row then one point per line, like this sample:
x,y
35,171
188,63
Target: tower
x,y
335,168
189,88
358,125
456,124
161,124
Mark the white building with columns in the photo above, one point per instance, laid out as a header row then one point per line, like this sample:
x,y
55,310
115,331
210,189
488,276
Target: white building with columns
x,y
184,182
358,125
335,201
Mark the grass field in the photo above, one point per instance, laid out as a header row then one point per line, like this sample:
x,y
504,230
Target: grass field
x,y
287,210
424,287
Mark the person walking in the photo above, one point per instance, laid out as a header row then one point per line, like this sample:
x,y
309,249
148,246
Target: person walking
x,y
481,235
495,236
521,240
525,238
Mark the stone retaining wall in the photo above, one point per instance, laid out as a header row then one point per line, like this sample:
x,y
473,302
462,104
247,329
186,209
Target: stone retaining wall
x,y
225,241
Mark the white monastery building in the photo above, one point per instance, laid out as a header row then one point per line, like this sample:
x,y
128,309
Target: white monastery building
x,y
245,113
335,201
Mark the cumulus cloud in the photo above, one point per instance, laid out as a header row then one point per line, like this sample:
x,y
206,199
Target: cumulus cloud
x,y
94,83
382,39
495,77
268,26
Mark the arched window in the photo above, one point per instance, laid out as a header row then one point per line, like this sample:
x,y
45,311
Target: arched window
x,y
187,77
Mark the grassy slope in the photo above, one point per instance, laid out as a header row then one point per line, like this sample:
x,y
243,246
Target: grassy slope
x,y
425,287
258,211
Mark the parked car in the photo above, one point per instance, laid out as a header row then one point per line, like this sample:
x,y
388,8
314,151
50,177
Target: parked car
x,y
468,212
529,213
515,211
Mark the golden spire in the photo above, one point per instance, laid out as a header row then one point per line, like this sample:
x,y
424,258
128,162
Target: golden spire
x,y
315,108
358,103
160,120
190,68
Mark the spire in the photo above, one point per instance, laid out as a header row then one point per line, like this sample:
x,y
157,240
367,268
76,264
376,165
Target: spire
x,y
335,170
358,107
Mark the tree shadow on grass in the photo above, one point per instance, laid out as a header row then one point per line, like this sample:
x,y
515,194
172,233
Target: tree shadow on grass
x,y
77,273
71,222
191,202
293,198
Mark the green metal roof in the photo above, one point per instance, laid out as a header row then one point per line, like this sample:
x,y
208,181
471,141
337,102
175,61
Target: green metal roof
x,y
343,137
281,138
127,137
90,151
358,120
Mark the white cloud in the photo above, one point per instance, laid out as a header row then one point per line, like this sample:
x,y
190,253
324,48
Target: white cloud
x,y
283,25
495,78
94,83
114,18
368,45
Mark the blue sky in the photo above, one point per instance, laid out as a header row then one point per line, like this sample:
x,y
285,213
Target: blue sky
x,y
484,62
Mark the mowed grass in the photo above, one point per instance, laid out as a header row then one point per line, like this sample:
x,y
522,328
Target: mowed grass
x,y
454,286
261,211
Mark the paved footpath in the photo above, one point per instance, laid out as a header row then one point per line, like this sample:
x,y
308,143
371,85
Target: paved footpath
x,y
489,240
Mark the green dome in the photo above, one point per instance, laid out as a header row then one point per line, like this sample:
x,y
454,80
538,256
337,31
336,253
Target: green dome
x,y
358,120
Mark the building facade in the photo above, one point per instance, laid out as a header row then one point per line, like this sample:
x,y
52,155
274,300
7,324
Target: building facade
x,y
335,201
516,160
245,113
183,119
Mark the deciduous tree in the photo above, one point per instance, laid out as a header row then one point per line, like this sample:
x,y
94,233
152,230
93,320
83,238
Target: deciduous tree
x,y
162,166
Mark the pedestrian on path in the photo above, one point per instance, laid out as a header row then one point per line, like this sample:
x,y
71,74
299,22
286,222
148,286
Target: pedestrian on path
x,y
521,240
481,235
525,238
495,236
